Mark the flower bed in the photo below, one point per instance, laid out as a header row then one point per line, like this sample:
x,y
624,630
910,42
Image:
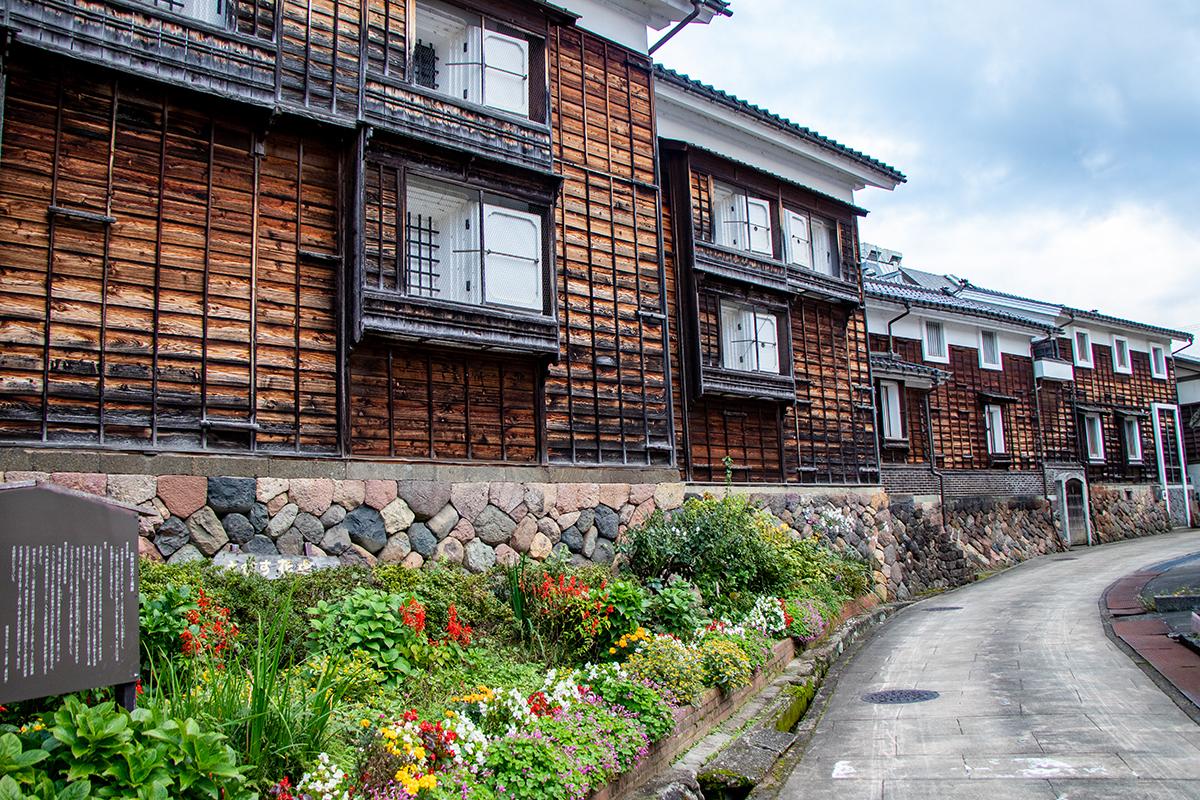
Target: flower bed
x,y
536,681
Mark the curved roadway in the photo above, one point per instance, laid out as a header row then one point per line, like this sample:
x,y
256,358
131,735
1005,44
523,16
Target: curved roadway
x,y
1035,701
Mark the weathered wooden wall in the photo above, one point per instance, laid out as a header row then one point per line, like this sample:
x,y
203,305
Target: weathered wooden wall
x,y
607,396
825,434
956,411
442,405
1103,387
1191,432
185,294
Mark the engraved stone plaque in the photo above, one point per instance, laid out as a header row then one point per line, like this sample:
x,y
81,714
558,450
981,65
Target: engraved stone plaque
x,y
68,592
272,567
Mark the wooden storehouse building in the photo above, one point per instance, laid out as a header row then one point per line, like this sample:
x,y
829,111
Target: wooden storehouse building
x,y
1107,430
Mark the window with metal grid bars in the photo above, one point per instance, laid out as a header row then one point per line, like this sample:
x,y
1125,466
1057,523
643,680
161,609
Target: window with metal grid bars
x,y
422,236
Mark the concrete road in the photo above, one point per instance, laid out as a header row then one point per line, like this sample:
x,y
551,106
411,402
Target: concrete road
x,y
1035,701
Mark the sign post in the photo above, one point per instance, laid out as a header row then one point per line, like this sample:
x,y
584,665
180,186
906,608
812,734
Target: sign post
x,y
68,594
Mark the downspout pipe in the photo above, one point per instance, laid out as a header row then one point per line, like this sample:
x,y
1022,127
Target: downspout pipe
x,y
893,321
697,7
933,469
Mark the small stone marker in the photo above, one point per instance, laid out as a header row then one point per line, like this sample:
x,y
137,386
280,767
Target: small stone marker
x,y
68,593
272,566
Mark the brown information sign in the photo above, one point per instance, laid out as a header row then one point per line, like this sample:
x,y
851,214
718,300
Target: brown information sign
x,y
68,593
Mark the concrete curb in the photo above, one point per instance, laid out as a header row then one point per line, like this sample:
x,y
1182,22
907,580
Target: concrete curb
x,y
1128,583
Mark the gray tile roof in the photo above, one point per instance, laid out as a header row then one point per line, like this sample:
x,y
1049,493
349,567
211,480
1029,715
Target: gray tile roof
x,y
1105,319
782,123
946,301
889,364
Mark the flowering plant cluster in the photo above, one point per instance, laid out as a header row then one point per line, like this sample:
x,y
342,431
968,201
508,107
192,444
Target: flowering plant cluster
x,y
770,616
208,629
568,614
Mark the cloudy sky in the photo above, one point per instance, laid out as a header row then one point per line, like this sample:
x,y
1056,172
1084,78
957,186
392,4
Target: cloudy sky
x,y
1051,149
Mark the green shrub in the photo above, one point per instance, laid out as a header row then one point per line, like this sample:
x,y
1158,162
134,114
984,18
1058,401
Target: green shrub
x,y
387,627
675,609
717,543
670,665
162,620
529,768
725,665
614,685
630,605
105,751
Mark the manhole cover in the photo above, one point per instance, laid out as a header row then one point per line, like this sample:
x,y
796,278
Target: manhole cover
x,y
895,696
1067,558
944,608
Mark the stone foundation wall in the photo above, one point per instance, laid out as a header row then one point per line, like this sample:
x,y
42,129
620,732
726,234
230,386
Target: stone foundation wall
x,y
479,524
1126,511
912,544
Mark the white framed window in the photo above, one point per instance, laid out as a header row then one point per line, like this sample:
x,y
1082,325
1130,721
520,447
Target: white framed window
x,y
933,343
889,410
741,221
1081,347
1093,434
749,339
989,350
214,12
465,246
1158,362
458,54
812,243
1132,431
993,417
1120,353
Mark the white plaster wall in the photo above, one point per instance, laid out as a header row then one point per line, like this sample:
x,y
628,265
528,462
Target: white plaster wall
x,y
1189,392
959,332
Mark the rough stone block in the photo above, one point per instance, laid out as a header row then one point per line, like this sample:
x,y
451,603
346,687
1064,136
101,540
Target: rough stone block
x,y
290,544
313,495
607,522
171,536
207,533
88,482
414,560
522,535
228,495
668,496
469,499
132,489
604,552
396,549
336,540
333,516
506,496
185,554
259,518
349,494
422,539
260,545
366,528
493,526
540,546
147,550
357,556
449,549
574,496
183,495
443,521
463,531
397,516
506,556
614,495
425,498
238,528
377,494
282,520
478,556
309,527
267,489
640,493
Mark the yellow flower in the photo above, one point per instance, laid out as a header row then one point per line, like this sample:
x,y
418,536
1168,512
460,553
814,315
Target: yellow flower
x,y
613,649
366,723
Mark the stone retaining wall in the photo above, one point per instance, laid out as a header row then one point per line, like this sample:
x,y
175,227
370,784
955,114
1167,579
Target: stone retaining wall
x,y
912,544
1126,511
188,517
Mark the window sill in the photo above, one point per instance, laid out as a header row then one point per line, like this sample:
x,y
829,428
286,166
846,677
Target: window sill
x,y
754,385
458,326
765,271
542,126
895,444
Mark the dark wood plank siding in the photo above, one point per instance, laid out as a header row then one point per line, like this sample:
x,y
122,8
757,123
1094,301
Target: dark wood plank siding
x,y
825,434
1190,414
606,397
1102,387
421,404
170,305
956,411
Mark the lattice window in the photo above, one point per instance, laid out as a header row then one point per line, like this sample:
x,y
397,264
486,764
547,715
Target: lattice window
x,y
425,61
424,255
